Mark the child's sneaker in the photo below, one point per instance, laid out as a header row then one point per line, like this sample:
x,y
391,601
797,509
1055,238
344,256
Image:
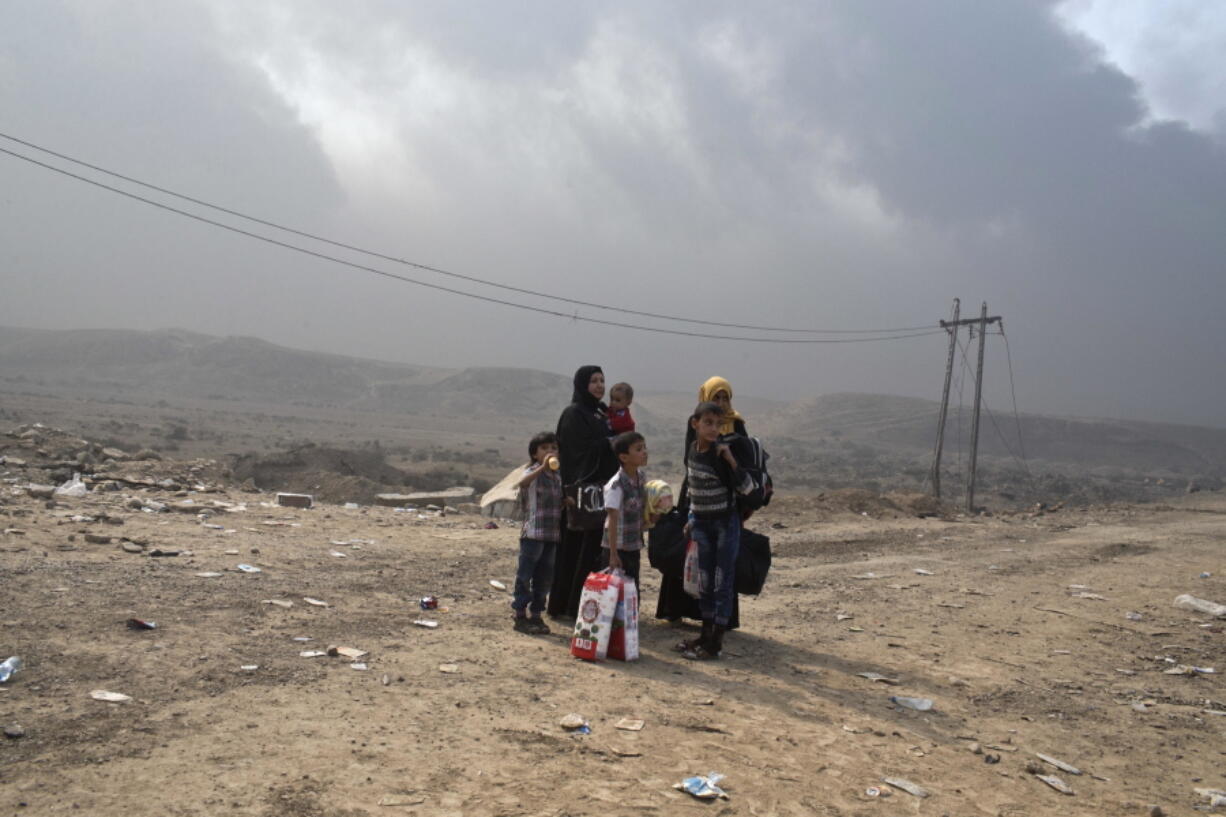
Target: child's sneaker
x,y
538,625
523,625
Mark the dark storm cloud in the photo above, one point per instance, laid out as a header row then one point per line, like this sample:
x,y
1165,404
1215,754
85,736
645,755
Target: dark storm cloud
x,y
828,164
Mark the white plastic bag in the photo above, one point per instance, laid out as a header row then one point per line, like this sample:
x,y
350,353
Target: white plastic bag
x,y
624,637
73,487
594,625
691,575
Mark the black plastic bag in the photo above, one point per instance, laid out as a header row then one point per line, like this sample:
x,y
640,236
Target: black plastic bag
x,y
753,562
666,543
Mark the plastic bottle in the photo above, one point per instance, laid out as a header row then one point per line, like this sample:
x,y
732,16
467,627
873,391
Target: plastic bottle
x,y
1211,608
10,665
918,704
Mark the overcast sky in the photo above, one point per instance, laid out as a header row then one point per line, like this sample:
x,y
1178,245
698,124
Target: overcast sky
x,y
831,165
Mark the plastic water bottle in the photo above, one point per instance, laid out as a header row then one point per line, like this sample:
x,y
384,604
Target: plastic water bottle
x,y
918,704
10,665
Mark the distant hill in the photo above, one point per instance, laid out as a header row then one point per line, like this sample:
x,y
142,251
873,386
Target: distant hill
x,y
910,423
174,363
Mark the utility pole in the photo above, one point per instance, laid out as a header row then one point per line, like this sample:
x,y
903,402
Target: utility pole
x,y
983,336
949,373
952,327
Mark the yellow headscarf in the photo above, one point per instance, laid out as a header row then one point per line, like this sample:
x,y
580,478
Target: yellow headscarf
x,y
706,393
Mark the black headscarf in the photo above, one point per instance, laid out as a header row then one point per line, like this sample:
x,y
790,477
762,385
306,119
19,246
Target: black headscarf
x,y
583,379
583,435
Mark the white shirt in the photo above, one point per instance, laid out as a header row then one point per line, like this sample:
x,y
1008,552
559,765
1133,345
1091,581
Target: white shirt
x,y
613,494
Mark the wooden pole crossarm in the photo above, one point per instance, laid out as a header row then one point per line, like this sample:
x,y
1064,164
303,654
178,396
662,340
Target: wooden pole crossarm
x,y
969,321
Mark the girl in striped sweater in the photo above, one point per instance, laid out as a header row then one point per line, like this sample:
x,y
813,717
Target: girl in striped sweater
x,y
714,480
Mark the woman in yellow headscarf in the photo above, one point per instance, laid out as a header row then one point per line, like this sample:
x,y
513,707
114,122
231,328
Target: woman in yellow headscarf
x,y
717,390
674,603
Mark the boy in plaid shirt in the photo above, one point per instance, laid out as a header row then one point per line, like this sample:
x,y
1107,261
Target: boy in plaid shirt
x,y
540,497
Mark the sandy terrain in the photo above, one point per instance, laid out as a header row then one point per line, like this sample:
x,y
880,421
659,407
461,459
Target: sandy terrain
x,y
994,636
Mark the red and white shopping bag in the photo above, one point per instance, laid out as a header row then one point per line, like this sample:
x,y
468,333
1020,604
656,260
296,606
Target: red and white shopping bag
x,y
691,574
594,626
624,640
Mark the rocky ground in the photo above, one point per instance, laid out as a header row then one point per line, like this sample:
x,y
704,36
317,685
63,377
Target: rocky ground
x,y
1045,633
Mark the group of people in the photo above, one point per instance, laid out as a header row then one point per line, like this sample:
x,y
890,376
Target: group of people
x,y
585,503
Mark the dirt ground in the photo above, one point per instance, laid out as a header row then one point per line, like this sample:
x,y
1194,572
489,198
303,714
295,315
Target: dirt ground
x,y
996,636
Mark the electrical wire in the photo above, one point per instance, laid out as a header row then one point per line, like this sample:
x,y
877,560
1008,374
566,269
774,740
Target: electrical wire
x,y
1000,434
441,288
1017,418
961,385
448,273
964,467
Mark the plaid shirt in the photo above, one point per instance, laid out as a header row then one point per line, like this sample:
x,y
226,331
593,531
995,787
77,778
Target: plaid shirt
x,y
541,501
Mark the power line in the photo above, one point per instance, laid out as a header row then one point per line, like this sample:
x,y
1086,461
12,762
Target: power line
x,y
961,386
439,271
441,288
1020,461
1017,418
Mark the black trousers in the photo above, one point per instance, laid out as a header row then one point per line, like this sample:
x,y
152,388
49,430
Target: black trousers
x,y
630,566
578,555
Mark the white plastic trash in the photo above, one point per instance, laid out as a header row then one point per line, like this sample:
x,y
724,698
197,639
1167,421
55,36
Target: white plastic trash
x,y
109,697
918,704
73,487
1187,602
10,666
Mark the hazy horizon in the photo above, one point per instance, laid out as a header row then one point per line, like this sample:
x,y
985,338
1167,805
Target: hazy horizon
x,y
755,401
807,165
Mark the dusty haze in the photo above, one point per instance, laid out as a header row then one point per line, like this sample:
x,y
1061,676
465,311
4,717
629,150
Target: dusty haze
x,y
826,165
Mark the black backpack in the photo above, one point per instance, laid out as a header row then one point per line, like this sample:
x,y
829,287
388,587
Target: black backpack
x,y
752,458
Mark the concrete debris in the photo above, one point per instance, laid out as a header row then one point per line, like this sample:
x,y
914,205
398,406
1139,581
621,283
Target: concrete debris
x,y
451,496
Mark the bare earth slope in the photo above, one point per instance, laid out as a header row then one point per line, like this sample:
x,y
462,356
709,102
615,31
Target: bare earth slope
x,y
997,636
176,364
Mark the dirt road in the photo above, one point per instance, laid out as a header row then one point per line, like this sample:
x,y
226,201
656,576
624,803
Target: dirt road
x,y
995,633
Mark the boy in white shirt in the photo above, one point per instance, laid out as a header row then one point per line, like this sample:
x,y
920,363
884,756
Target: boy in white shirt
x,y
625,502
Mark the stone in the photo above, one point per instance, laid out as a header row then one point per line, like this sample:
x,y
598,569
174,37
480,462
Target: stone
x,y
115,453
97,539
14,731
40,491
287,500
422,498
502,501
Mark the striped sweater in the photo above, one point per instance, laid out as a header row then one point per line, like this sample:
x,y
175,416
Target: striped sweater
x,y
712,483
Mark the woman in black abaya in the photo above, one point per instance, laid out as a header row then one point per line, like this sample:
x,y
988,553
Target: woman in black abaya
x,y
586,458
